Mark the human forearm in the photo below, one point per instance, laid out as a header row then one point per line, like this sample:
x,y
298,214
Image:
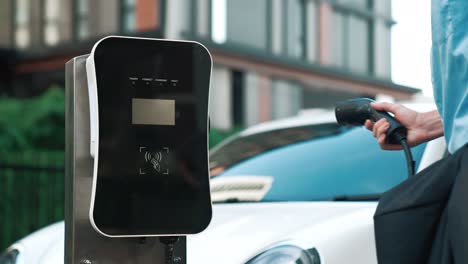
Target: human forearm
x,y
432,124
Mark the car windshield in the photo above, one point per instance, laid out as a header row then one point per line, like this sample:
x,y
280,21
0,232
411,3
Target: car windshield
x,y
326,163
239,148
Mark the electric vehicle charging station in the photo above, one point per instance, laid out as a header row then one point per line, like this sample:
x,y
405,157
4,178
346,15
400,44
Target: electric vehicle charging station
x,y
136,150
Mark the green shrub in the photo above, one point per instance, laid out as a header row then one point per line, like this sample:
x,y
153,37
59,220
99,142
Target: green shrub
x,y
33,123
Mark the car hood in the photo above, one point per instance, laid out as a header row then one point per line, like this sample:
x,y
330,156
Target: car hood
x,y
239,231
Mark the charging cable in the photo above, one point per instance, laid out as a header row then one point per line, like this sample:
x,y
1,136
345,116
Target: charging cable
x,y
409,157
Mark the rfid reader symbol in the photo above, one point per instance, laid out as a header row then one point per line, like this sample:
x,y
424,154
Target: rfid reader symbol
x,y
155,159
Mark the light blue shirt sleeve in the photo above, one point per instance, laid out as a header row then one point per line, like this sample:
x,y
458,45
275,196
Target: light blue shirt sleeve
x,y
449,57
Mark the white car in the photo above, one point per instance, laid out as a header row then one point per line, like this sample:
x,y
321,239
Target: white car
x,y
298,190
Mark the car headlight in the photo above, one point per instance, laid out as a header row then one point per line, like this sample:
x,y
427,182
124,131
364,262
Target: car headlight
x,y
286,254
11,256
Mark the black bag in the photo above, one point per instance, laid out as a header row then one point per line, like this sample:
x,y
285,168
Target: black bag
x,y
425,218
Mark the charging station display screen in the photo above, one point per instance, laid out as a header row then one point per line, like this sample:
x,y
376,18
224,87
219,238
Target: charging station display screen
x,y
153,112
153,152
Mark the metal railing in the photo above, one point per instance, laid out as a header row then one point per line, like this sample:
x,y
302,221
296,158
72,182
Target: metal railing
x,y
31,193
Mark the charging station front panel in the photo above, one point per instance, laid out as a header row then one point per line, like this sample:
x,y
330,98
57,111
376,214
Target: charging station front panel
x,y
152,174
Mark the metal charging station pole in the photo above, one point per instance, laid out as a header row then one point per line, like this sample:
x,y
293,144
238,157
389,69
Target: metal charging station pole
x,y
83,245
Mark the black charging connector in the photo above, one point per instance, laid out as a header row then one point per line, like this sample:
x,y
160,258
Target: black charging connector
x,y
169,243
355,112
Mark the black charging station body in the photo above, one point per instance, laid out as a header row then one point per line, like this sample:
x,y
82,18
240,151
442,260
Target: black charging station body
x,y
149,107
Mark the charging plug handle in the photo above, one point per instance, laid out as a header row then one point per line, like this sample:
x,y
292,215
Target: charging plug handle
x,y
355,112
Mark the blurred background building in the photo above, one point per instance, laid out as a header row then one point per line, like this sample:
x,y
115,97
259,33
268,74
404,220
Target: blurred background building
x,y
272,58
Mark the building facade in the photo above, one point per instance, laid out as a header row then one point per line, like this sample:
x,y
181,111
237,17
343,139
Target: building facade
x,y
272,58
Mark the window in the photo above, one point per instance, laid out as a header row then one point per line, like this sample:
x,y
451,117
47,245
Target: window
x,y
286,99
285,28
203,18
294,25
238,98
360,38
22,30
243,147
295,28
128,15
358,45
82,19
382,55
383,7
311,30
51,22
338,39
350,41
240,21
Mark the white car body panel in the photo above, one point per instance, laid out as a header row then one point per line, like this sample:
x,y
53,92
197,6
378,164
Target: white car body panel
x,y
240,231
38,246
